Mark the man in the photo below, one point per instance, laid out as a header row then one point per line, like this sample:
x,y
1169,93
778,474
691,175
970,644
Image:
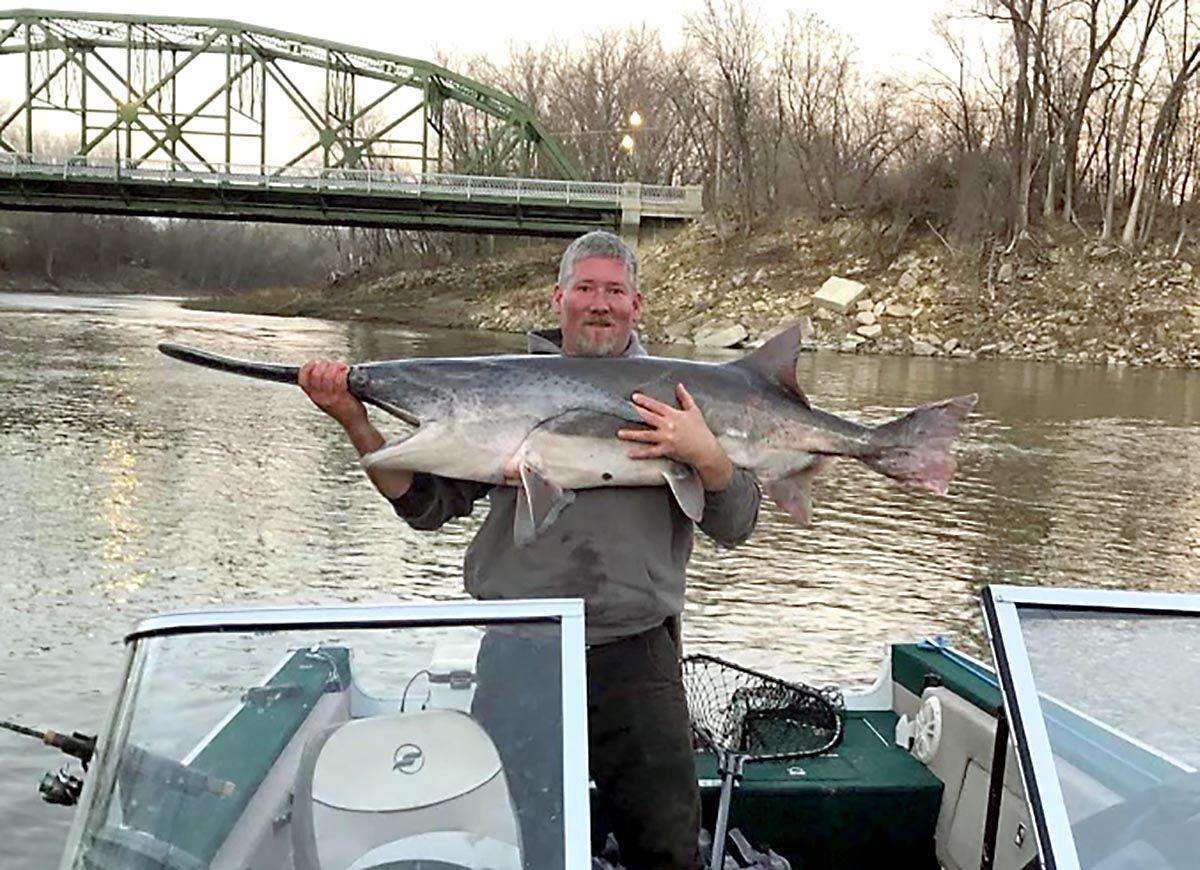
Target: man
x,y
623,550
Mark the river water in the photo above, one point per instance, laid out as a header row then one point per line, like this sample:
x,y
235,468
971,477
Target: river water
x,y
133,484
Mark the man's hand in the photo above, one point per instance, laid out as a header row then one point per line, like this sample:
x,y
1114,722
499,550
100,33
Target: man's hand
x,y
325,383
680,434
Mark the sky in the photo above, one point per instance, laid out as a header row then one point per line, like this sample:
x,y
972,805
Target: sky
x,y
890,34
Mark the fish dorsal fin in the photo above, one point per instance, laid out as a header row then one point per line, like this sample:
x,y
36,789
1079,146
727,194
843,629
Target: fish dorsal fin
x,y
776,359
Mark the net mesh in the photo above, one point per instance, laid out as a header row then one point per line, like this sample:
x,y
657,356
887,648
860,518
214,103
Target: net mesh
x,y
739,710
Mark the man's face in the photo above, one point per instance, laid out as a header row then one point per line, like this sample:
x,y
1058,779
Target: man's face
x,y
597,308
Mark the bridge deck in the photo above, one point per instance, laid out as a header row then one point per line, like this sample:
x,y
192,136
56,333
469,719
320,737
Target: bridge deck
x,y
360,197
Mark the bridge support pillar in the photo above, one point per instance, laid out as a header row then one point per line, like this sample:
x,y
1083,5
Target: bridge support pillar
x,y
631,213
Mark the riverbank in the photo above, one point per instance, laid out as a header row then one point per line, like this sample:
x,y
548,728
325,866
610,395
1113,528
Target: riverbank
x,y
127,280
1062,296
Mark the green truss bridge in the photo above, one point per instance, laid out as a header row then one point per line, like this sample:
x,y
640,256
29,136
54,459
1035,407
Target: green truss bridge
x,y
168,117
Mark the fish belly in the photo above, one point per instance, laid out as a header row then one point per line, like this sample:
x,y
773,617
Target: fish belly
x,y
462,451
586,462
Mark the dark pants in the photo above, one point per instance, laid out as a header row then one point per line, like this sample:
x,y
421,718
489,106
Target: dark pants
x,y
639,745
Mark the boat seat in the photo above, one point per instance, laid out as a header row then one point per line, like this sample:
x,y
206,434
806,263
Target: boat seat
x,y
409,787
868,803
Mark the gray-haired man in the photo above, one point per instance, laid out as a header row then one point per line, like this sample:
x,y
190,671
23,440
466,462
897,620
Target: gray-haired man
x,y
623,550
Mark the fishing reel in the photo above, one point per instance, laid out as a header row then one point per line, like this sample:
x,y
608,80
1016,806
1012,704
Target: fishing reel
x,y
62,787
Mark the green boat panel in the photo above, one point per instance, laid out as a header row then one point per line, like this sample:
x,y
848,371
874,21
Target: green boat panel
x,y
868,803
912,662
1107,756
242,753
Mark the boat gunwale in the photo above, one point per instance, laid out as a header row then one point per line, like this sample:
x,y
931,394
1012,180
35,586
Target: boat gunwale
x,y
414,615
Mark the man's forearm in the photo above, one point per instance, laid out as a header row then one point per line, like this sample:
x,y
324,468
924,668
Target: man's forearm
x,y
730,514
392,483
716,471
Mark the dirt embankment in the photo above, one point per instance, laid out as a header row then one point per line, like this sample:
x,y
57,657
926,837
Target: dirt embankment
x,y
128,279
1062,296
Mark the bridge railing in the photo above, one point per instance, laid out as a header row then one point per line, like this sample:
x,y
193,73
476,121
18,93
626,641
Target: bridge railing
x,y
655,200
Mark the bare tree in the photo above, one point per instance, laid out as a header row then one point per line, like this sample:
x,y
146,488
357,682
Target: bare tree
x,y
1099,39
1151,170
729,37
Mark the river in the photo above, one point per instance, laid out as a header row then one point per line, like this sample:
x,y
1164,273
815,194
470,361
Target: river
x,y
133,484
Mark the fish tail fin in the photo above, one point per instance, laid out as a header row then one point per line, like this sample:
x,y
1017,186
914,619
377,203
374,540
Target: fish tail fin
x,y
916,446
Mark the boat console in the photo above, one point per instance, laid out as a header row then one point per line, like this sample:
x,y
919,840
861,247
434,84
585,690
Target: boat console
x,y
365,738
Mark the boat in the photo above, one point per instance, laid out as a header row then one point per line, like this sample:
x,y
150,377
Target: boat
x,y
344,738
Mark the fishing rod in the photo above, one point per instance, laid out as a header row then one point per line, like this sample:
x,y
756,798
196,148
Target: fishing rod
x,y
81,746
61,787
65,788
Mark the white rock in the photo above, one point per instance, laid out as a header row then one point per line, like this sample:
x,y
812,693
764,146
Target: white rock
x,y
866,318
681,329
909,279
949,344
865,305
720,333
839,294
923,348
869,330
898,310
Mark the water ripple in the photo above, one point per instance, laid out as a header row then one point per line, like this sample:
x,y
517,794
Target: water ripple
x,y
135,485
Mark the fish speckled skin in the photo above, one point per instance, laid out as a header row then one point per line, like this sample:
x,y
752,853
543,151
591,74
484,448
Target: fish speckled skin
x,y
556,418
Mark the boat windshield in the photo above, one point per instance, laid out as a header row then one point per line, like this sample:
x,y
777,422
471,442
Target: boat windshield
x,y
1104,693
437,736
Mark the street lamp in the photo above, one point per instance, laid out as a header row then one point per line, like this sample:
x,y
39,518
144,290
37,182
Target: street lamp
x,y
627,143
635,119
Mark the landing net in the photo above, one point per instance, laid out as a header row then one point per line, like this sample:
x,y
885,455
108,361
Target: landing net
x,y
759,716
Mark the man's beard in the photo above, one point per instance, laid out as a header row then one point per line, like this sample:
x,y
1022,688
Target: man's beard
x,y
611,343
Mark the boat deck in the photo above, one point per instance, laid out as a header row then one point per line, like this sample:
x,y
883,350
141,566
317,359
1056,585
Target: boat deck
x,y
866,804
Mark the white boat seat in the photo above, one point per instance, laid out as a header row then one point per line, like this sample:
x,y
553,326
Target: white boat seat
x,y
407,787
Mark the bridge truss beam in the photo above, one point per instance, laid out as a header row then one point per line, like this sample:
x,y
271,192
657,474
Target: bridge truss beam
x,y
198,93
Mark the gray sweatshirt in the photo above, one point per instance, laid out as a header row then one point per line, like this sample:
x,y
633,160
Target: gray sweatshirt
x,y
623,550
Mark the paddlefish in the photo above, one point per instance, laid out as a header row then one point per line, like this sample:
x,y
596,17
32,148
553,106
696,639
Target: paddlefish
x,y
548,424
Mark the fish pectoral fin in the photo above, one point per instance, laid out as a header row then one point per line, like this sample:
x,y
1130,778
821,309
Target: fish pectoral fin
x,y
539,502
389,454
685,485
794,492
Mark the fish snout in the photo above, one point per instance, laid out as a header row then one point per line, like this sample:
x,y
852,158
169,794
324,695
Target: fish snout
x,y
358,380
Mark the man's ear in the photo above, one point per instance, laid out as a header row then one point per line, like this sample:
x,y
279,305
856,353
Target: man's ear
x,y
637,307
556,299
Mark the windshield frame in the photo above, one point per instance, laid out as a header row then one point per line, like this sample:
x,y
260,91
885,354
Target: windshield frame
x,y
568,613
1022,703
